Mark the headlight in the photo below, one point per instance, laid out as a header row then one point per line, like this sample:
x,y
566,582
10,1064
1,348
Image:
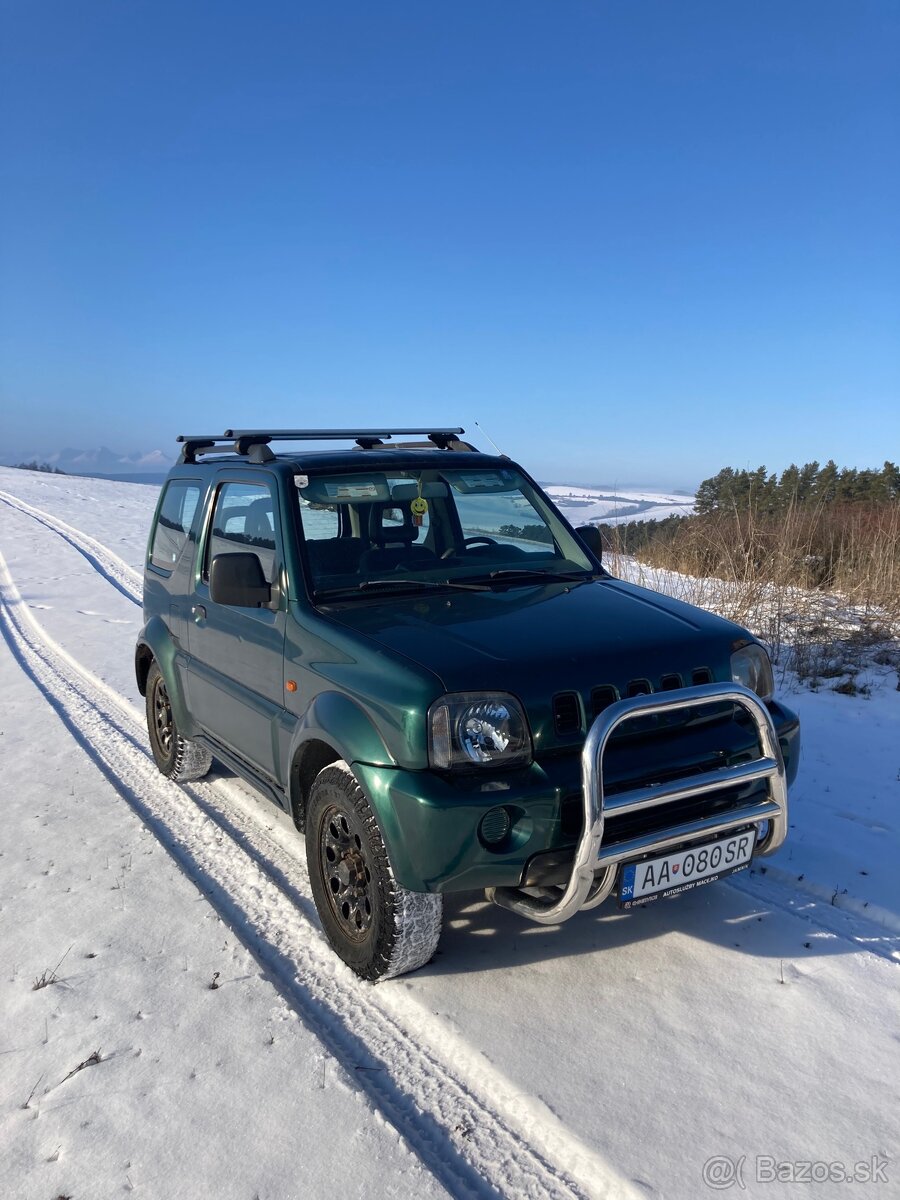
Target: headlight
x,y
478,729
750,666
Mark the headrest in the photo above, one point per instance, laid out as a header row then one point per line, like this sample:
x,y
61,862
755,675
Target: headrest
x,y
258,521
392,532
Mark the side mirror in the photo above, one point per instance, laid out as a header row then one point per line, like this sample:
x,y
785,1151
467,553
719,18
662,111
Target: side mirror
x,y
238,580
592,538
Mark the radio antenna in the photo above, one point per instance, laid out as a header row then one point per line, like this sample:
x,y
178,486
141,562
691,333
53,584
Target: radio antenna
x,y
490,439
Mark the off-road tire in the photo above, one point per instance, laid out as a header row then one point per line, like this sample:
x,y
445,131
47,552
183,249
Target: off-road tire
x,y
179,758
377,926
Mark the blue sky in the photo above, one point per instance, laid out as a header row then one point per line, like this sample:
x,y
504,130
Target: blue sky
x,y
637,241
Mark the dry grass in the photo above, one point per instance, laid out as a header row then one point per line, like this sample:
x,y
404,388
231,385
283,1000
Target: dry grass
x,y
848,550
49,975
820,587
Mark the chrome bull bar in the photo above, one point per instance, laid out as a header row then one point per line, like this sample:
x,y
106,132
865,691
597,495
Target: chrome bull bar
x,y
594,869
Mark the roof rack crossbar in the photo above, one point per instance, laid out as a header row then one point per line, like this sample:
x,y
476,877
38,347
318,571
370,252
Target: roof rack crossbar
x,y
333,435
196,443
246,441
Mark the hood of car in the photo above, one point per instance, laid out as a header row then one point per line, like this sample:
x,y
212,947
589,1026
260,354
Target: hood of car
x,y
543,641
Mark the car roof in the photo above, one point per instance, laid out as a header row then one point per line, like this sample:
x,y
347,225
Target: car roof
x,y
361,460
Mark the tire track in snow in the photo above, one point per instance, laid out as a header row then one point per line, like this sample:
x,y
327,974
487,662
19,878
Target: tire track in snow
x,y
478,1135
842,916
113,569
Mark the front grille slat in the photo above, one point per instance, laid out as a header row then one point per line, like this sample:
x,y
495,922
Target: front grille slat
x,y
602,697
566,714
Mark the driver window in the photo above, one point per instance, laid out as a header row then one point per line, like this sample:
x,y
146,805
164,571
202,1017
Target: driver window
x,y
243,520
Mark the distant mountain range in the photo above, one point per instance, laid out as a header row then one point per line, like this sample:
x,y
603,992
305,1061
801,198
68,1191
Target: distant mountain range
x,y
145,466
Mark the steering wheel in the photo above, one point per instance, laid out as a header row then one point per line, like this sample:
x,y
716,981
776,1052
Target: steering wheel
x,y
470,541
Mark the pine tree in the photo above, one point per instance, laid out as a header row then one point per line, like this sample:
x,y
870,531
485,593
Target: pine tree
x,y
806,483
826,489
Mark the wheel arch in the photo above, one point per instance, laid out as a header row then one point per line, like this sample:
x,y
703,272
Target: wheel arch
x,y
156,644
143,658
334,727
309,759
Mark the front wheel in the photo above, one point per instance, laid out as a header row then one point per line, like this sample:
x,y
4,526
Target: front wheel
x,y
377,926
177,757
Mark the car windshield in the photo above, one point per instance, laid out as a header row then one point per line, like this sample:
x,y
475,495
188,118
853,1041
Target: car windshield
x,y
407,530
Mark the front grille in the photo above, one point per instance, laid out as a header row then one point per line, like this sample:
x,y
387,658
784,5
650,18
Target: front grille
x,y
647,751
621,826
567,717
618,827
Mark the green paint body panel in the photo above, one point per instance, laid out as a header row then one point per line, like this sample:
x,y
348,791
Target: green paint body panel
x,y
360,676
368,698
157,638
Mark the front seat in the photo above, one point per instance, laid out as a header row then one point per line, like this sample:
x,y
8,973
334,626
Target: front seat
x,y
393,543
258,525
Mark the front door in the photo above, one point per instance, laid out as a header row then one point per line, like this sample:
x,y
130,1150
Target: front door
x,y
236,665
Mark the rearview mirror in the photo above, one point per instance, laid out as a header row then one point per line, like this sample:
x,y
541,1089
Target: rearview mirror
x,y
592,538
238,580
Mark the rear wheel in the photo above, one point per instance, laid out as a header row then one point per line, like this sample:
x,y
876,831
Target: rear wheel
x,y
377,926
177,757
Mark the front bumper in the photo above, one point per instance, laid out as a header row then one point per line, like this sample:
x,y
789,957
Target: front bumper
x,y
655,790
596,861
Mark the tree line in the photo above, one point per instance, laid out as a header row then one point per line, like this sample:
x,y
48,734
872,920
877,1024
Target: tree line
x,y
36,466
814,527
528,533
808,486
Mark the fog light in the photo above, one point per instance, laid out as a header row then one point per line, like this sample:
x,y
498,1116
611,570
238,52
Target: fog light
x,y
494,826
762,831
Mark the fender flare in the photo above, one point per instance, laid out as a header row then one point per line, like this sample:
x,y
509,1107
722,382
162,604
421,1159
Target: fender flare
x,y
335,721
334,718
156,640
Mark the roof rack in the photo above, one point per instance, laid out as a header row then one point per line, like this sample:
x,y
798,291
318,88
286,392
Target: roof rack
x,y
254,442
193,444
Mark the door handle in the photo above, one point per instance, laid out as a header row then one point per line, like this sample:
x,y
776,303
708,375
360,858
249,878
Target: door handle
x,y
198,612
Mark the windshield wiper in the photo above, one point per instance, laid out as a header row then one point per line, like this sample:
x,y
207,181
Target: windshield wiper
x,y
525,573
418,583
521,575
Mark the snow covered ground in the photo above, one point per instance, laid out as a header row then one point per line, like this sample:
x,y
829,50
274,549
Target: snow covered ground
x,y
613,506
753,1023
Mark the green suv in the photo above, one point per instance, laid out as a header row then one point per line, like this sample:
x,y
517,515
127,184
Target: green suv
x,y
408,648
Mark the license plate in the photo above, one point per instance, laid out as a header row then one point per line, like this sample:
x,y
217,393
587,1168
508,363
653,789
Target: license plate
x,y
672,874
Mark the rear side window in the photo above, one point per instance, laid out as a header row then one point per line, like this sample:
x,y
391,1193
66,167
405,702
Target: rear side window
x,y
176,514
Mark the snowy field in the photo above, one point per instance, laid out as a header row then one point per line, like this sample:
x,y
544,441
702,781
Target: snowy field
x,y
198,1039
583,506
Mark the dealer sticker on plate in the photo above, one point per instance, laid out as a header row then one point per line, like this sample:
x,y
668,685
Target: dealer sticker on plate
x,y
686,869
